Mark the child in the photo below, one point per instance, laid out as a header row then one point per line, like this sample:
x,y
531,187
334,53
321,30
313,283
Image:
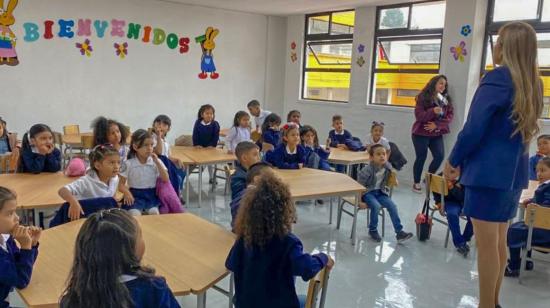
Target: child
x,y
271,133
290,154
7,144
258,114
206,132
16,261
107,270
141,170
374,176
161,127
39,153
266,256
316,156
109,131
294,116
100,181
338,136
247,154
239,132
517,233
252,176
377,137
454,202
543,145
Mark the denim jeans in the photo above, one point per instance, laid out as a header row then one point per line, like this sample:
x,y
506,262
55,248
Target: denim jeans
x,y
453,210
421,146
377,199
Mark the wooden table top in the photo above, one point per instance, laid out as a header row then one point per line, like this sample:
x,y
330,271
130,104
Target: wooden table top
x,y
347,157
188,251
201,156
312,183
36,190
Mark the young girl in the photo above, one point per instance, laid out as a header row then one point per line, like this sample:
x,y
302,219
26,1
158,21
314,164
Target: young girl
x,y
15,262
107,270
161,127
266,256
100,181
206,132
294,116
271,133
38,153
109,131
240,131
290,154
316,156
377,137
543,150
141,170
6,144
374,176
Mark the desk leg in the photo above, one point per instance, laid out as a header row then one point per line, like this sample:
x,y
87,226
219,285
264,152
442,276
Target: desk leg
x,y
201,300
330,210
354,225
200,184
188,169
231,286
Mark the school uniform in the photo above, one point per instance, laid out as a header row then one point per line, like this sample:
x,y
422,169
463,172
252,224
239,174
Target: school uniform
x,y
494,163
369,141
142,180
238,180
206,134
90,186
234,206
15,267
259,120
165,145
282,158
272,137
235,136
338,138
34,162
176,174
377,195
4,145
265,277
317,158
533,161
150,292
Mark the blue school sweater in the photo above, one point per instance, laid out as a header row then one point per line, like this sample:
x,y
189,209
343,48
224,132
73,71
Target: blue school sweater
x,y
35,163
234,206
15,269
265,277
206,135
542,195
272,137
238,180
321,153
281,159
533,161
338,139
151,292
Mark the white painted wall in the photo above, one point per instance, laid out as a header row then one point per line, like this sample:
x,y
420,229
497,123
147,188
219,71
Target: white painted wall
x,y
55,85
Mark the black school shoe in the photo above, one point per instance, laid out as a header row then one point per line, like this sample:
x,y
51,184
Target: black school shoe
x,y
375,236
509,272
463,250
403,236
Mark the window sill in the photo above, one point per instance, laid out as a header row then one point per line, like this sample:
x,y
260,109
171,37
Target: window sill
x,y
393,108
324,103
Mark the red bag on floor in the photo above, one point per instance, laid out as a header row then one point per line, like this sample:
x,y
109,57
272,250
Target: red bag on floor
x,y
424,223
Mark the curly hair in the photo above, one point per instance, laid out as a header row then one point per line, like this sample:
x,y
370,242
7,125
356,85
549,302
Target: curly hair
x,y
101,127
266,211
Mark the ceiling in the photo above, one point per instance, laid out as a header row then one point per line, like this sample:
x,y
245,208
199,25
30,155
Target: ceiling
x,y
284,7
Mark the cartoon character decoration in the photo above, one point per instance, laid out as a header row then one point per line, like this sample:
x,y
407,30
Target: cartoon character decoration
x,y
207,59
8,56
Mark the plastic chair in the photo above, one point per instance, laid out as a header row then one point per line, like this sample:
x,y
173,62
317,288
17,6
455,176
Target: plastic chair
x,y
535,217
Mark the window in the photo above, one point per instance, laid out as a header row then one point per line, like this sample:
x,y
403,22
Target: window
x,y
408,48
327,56
537,14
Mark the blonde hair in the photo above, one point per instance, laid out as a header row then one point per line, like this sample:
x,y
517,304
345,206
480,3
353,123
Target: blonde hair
x,y
517,42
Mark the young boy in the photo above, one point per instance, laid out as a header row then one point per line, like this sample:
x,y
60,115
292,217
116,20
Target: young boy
x,y
517,233
253,174
543,145
258,114
15,262
247,154
374,176
338,135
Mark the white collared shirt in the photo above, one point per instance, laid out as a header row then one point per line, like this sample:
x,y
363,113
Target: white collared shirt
x,y
235,136
165,145
140,175
90,186
291,153
546,182
259,120
125,278
383,141
341,133
4,241
206,124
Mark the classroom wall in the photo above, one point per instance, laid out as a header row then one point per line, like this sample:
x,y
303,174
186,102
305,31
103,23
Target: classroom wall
x,y
57,85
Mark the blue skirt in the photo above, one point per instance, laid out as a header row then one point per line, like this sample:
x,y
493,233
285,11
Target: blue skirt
x,y
144,199
491,204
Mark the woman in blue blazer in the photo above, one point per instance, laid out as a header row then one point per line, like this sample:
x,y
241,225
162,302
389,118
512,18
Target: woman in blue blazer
x,y
491,150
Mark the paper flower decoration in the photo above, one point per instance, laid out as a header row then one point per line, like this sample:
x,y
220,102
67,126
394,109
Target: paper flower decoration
x,y
361,48
361,61
85,48
293,45
466,30
121,49
459,51
293,56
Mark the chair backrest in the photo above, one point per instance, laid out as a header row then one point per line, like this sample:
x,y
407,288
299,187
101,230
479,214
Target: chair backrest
x,y
87,141
437,184
72,129
538,216
255,136
392,180
184,140
9,162
4,163
316,284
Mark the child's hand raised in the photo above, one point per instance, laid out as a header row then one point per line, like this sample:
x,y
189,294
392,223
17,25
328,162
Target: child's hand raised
x,y
23,236
35,232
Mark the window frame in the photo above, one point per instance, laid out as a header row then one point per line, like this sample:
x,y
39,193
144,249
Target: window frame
x,y
321,39
397,34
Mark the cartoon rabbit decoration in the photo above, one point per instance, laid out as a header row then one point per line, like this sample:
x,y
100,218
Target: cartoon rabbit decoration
x,y
207,60
8,56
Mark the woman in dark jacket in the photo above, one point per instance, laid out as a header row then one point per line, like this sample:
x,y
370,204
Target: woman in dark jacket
x,y
434,113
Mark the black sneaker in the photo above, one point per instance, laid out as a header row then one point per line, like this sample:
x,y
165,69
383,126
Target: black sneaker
x,y
463,250
403,236
375,236
529,265
508,272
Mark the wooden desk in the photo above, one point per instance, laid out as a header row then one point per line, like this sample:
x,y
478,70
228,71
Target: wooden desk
x,y
188,251
200,157
307,184
347,157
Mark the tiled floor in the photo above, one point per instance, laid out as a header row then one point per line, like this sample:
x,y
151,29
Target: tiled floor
x,y
369,274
